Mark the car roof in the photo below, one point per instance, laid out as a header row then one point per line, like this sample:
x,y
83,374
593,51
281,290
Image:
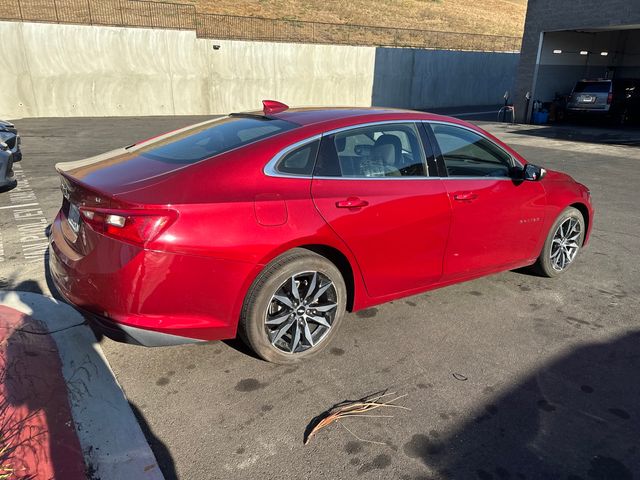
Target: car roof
x,y
323,115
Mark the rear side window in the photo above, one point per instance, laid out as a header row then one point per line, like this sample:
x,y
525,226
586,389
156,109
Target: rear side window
x,y
299,161
592,87
382,150
205,141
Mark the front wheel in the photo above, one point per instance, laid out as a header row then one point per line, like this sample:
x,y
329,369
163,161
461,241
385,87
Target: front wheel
x,y
294,307
563,242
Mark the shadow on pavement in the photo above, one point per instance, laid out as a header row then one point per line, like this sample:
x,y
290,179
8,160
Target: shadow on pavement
x,y
629,136
159,449
576,418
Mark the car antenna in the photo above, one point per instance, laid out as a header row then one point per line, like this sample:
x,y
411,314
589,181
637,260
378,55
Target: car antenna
x,y
273,106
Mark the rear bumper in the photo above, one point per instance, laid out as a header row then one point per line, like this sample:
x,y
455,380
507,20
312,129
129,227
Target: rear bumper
x,y
133,335
594,111
146,297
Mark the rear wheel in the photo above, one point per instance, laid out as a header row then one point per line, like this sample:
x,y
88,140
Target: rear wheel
x,y
563,242
294,307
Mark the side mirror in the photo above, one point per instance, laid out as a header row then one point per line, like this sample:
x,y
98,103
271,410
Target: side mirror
x,y
533,173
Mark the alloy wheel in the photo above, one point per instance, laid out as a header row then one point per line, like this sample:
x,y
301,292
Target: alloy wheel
x,y
301,312
565,246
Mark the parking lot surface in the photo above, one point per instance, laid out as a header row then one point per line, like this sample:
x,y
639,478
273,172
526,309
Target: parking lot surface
x,y
510,376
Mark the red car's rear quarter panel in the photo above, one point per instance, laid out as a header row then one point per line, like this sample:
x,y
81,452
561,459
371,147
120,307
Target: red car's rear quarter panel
x,y
185,295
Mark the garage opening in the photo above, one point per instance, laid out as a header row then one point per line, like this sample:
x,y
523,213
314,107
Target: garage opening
x,y
590,75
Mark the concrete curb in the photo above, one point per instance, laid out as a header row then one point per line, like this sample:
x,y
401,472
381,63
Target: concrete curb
x,y
111,438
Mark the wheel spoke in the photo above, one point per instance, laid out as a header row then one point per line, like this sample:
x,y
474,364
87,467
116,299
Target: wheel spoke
x,y
307,334
319,320
295,338
294,288
283,330
320,291
278,320
325,308
312,285
284,300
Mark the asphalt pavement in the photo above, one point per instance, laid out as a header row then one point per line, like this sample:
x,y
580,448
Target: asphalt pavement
x,y
509,376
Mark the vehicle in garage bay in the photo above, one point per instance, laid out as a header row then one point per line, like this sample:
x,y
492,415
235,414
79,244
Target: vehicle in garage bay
x,y
617,99
271,224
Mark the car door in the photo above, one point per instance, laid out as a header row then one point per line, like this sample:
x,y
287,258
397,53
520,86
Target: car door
x,y
374,187
496,220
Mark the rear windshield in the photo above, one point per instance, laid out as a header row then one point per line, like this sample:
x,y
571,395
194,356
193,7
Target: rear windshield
x,y
593,87
205,141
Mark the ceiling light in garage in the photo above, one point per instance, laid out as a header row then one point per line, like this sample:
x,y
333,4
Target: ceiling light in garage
x,y
604,54
584,52
557,51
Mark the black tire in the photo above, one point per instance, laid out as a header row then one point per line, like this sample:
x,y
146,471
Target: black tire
x,y
253,329
545,265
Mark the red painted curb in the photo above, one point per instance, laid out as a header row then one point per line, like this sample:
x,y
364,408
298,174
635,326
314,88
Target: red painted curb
x,y
36,427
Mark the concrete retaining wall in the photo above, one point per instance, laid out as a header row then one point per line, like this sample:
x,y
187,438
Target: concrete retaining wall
x,y
51,70
426,79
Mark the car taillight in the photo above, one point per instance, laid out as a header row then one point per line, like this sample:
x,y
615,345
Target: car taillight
x,y
609,98
133,226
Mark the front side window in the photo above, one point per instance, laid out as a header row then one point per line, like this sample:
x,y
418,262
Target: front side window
x,y
468,154
386,150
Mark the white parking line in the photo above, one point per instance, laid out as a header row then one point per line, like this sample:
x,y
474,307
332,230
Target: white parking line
x,y
20,206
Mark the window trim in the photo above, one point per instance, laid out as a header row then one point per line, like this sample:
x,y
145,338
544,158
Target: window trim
x,y
270,170
443,174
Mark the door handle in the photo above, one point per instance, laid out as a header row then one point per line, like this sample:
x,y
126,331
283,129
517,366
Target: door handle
x,y
465,196
352,202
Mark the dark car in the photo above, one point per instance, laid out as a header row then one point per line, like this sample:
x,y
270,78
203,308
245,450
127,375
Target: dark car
x,y
617,99
9,135
7,179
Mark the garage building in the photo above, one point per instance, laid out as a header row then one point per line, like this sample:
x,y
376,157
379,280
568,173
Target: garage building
x,y
569,40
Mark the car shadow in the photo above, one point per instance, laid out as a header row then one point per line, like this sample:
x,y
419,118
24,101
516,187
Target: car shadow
x,y
158,447
584,133
574,418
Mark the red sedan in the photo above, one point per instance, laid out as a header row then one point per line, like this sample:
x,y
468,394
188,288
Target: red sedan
x,y
272,224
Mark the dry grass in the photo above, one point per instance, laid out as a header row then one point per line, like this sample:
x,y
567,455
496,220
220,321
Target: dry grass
x,y
494,17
